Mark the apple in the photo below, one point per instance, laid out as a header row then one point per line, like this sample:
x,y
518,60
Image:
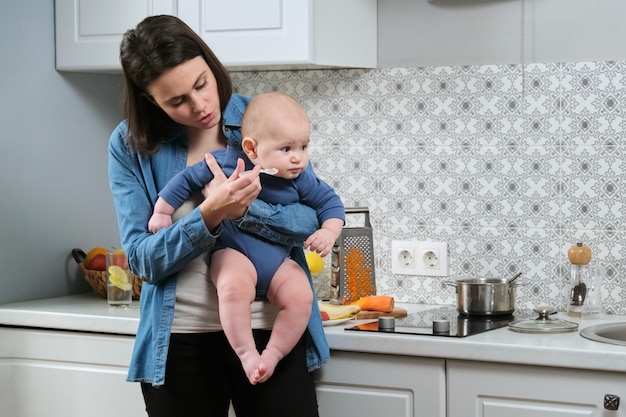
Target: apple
x,y
98,262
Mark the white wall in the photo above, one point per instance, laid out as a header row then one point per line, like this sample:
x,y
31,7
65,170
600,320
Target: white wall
x,y
54,131
422,33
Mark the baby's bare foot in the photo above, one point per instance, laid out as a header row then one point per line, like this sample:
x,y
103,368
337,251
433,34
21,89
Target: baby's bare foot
x,y
269,359
260,375
251,362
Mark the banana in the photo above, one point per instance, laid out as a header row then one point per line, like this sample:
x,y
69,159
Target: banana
x,y
336,312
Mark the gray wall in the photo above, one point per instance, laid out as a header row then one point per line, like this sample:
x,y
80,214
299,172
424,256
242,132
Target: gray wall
x,y
53,155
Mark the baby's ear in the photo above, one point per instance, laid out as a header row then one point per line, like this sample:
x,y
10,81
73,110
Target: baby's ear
x,y
248,145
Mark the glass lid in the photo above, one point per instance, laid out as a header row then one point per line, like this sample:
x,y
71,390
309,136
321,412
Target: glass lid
x,y
543,323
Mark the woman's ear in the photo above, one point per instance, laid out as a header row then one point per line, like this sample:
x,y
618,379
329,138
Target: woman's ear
x,y
248,145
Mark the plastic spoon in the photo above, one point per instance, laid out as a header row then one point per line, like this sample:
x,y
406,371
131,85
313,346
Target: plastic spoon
x,y
268,171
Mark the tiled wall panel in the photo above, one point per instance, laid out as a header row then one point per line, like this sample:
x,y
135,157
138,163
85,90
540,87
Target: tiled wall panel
x,y
510,165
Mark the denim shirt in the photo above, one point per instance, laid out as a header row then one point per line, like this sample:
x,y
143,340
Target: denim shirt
x,y
135,181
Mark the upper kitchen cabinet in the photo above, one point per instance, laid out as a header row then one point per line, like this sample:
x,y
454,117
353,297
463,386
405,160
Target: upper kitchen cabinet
x,y
88,32
244,34
267,34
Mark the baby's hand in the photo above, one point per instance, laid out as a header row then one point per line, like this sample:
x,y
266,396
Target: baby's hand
x,y
321,242
158,222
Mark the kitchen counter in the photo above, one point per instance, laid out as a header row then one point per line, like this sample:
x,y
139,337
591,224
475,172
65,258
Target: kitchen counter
x,y
90,313
84,313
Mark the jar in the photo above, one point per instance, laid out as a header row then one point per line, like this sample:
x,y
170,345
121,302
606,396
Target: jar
x,y
592,307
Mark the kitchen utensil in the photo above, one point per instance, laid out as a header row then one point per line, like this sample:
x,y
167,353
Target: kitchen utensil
x,y
352,262
543,324
579,256
519,274
485,296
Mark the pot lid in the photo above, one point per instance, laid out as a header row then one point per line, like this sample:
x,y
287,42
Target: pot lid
x,y
543,323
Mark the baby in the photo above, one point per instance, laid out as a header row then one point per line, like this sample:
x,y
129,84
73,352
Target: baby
x,y
275,131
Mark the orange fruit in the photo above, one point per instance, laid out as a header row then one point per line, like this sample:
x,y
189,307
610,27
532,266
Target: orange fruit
x,y
95,251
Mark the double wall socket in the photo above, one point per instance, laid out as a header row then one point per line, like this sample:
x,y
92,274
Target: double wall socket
x,y
419,258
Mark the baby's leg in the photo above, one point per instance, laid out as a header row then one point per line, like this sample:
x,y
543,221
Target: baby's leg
x,y
234,277
291,292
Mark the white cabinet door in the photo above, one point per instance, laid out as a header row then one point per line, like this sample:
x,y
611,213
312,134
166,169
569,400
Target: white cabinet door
x,y
371,385
248,34
496,390
55,373
88,32
244,34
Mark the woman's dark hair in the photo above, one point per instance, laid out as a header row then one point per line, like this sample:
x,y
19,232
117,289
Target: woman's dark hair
x,y
156,45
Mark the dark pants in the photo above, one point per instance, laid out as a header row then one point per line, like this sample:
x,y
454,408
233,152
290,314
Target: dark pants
x,y
203,374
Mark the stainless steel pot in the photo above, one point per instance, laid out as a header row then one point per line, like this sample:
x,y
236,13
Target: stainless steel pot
x,y
485,296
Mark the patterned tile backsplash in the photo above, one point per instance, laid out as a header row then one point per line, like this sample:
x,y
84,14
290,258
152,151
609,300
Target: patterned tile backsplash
x,y
509,165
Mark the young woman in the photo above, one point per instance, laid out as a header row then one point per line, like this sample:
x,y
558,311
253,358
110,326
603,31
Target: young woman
x,y
179,106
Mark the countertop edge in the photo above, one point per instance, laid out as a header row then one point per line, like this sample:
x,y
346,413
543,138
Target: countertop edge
x,y
89,313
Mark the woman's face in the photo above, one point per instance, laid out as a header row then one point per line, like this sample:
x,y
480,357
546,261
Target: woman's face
x,y
188,94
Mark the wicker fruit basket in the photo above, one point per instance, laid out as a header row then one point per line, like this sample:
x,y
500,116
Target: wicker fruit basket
x,y
98,279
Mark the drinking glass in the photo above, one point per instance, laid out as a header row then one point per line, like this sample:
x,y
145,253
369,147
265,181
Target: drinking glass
x,y
119,280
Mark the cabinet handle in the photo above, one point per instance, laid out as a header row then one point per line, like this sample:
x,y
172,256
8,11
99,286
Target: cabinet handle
x,y
611,402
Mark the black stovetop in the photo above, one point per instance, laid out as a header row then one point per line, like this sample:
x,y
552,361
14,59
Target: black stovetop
x,y
421,323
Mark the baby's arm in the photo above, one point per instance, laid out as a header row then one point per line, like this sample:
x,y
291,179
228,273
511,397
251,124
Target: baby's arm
x,y
322,240
178,189
162,215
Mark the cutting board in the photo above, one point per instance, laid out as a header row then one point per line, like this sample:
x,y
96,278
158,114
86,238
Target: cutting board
x,y
365,314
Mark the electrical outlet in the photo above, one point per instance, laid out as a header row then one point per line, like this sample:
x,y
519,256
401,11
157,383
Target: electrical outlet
x,y
432,259
403,257
419,258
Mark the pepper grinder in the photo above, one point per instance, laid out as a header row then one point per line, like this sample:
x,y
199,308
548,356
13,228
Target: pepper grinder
x,y
579,256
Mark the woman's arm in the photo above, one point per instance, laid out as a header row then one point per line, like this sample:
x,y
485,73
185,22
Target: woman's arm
x,y
134,187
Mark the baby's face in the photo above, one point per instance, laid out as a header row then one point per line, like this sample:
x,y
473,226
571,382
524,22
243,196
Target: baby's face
x,y
288,154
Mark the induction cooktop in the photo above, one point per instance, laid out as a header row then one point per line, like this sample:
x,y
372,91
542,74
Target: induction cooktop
x,y
460,325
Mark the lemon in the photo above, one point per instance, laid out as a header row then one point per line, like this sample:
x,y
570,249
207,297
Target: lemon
x,y
314,262
119,278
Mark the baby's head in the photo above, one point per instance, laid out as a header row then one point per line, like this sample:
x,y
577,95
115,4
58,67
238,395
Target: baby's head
x,y
275,131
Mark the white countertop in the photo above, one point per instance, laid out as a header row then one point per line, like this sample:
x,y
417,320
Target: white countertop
x,y
85,312
89,312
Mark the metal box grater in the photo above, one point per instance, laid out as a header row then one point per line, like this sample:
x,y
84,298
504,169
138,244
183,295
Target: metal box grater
x,y
352,262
